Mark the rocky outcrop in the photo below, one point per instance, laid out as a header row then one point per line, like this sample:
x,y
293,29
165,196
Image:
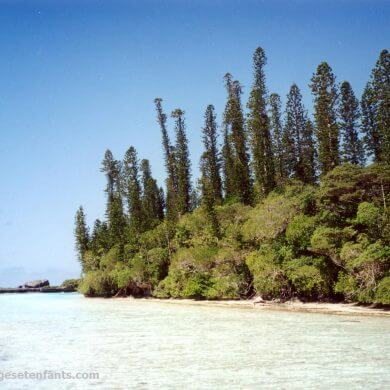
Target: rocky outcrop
x,y
37,284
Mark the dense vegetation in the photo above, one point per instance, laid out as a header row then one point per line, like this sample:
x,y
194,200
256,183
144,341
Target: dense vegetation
x,y
287,207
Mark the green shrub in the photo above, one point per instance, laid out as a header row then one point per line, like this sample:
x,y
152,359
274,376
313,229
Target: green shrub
x,y
299,231
231,216
346,285
368,214
343,188
121,275
109,260
203,272
366,264
71,283
383,291
327,241
187,272
91,261
156,238
308,276
230,286
269,279
98,284
269,219
196,286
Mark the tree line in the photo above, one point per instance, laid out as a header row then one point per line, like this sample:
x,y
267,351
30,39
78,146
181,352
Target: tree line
x,y
263,148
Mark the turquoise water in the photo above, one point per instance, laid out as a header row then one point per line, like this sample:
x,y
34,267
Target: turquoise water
x,y
143,345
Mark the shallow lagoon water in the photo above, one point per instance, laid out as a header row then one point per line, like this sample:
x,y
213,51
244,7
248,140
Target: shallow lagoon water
x,y
147,344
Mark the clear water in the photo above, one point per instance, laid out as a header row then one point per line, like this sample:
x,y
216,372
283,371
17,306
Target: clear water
x,y
142,345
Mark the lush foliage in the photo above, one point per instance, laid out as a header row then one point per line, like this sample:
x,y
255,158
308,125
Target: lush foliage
x,y
281,211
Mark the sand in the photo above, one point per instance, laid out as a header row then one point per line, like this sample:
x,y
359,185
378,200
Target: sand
x,y
296,305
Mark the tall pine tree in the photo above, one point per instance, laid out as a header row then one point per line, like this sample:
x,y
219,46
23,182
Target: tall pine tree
x,y
170,164
259,129
133,190
183,164
211,160
236,140
153,208
295,127
99,242
227,165
208,197
115,214
370,129
308,154
376,110
298,139
277,138
352,147
323,86
82,236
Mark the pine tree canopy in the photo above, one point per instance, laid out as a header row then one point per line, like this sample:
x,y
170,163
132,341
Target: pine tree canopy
x,y
183,164
259,129
323,86
352,146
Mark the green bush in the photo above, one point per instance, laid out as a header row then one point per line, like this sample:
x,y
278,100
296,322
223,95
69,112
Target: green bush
x,y
269,279
269,219
71,283
366,264
346,284
157,237
308,276
122,275
327,241
109,260
368,214
343,188
383,291
202,272
196,286
98,284
299,231
91,261
188,270
230,286
300,240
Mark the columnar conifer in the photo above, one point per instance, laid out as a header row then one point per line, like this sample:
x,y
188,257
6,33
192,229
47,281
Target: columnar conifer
x,y
323,86
115,214
183,164
236,137
277,138
211,159
259,129
153,210
295,127
170,165
82,236
352,147
133,190
227,165
308,154
376,110
208,198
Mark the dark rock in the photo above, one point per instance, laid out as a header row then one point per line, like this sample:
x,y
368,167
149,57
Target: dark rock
x,y
37,284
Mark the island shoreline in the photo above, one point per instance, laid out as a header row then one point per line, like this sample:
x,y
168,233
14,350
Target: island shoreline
x,y
342,308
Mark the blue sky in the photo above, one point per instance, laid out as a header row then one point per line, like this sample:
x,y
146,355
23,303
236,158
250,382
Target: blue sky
x,y
77,77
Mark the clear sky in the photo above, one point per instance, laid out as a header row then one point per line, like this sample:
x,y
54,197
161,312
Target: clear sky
x,y
77,77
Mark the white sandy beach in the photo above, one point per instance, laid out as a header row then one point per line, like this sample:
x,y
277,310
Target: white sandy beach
x,y
296,305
